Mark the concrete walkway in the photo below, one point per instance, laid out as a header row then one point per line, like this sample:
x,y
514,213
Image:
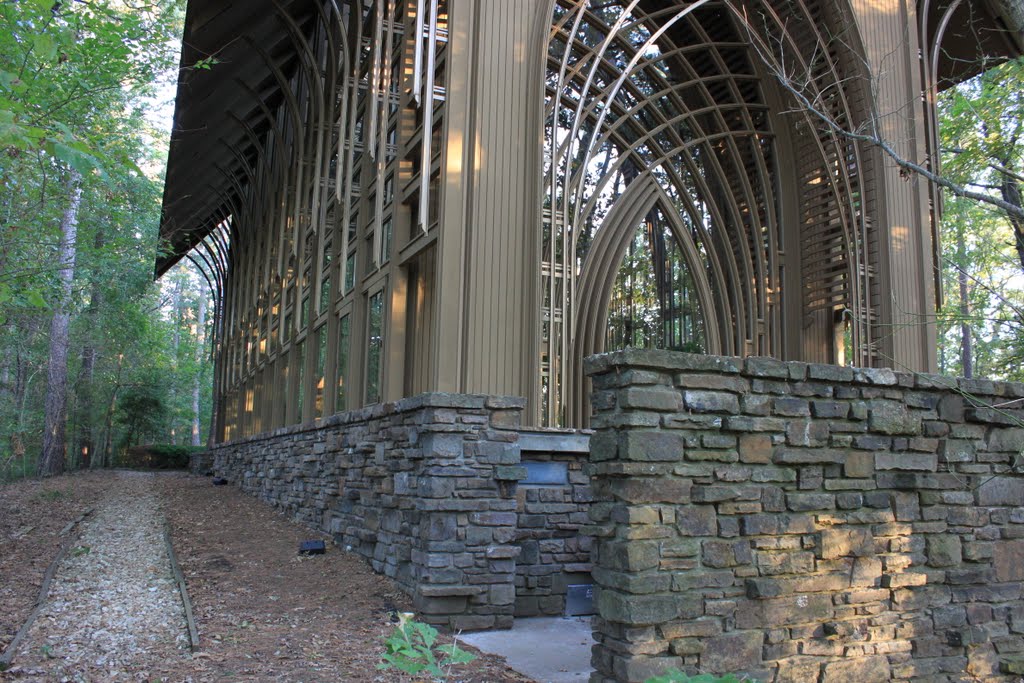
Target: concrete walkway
x,y
548,650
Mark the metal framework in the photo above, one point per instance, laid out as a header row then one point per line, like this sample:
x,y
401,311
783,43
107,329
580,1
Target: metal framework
x,y
397,196
666,106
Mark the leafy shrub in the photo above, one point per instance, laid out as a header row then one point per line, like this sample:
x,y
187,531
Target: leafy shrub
x,y
159,457
412,648
51,495
677,676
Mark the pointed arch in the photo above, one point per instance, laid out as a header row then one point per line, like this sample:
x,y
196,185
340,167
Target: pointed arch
x,y
598,277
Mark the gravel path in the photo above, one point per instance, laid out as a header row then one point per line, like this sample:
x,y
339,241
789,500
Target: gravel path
x,y
114,612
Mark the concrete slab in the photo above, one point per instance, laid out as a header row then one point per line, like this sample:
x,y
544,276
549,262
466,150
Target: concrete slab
x,y
547,649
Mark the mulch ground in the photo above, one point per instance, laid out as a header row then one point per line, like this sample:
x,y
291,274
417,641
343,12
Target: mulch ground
x,y
263,613
32,515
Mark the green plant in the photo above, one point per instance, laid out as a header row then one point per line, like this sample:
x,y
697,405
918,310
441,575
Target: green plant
x,y
677,676
159,456
51,494
412,648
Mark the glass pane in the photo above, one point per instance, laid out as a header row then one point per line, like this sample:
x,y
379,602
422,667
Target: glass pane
x,y
282,364
344,339
321,358
301,360
325,292
385,240
350,272
375,347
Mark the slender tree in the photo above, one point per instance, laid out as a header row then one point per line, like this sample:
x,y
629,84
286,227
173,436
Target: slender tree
x,y
51,461
197,382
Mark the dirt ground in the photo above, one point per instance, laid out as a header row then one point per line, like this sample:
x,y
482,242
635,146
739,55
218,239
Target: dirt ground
x,y
32,515
263,613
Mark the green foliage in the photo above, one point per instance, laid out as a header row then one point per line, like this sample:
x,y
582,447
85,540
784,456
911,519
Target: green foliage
x,y
51,495
412,648
159,456
141,412
677,676
76,82
981,125
654,302
206,64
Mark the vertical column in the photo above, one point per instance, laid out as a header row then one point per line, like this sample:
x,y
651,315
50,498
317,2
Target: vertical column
x,y
501,261
907,332
456,160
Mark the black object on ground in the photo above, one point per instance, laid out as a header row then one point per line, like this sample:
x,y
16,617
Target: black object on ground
x,y
312,548
220,481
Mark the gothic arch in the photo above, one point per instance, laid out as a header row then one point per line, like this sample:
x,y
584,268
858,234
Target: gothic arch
x,y
599,274
668,102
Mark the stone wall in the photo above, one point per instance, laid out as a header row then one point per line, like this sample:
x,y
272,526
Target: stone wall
x,y
423,488
552,505
803,522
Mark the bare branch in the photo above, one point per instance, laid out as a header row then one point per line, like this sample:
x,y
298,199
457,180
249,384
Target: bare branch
x,y
870,135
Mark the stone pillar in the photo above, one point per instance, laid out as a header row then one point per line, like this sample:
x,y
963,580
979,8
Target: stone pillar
x,y
463,559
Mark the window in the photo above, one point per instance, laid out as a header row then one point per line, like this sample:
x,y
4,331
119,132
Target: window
x,y
350,272
325,291
385,240
344,340
654,302
281,416
375,347
321,358
300,359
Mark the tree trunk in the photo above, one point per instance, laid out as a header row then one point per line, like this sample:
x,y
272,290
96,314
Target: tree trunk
x,y
108,422
85,378
86,445
197,381
1010,190
51,462
22,378
175,345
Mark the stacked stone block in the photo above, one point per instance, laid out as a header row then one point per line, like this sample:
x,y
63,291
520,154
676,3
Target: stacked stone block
x,y
554,553
423,488
798,522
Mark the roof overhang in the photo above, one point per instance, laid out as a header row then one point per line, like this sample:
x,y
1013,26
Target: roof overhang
x,y
218,111
968,37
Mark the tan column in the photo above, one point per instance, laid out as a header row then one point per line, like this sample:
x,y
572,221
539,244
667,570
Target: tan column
x,y
490,214
906,332
456,157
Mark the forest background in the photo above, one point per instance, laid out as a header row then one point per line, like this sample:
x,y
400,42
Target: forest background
x,y
82,155
96,357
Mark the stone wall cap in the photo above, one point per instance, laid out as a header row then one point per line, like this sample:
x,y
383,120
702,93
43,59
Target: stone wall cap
x,y
660,359
766,367
379,410
561,441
